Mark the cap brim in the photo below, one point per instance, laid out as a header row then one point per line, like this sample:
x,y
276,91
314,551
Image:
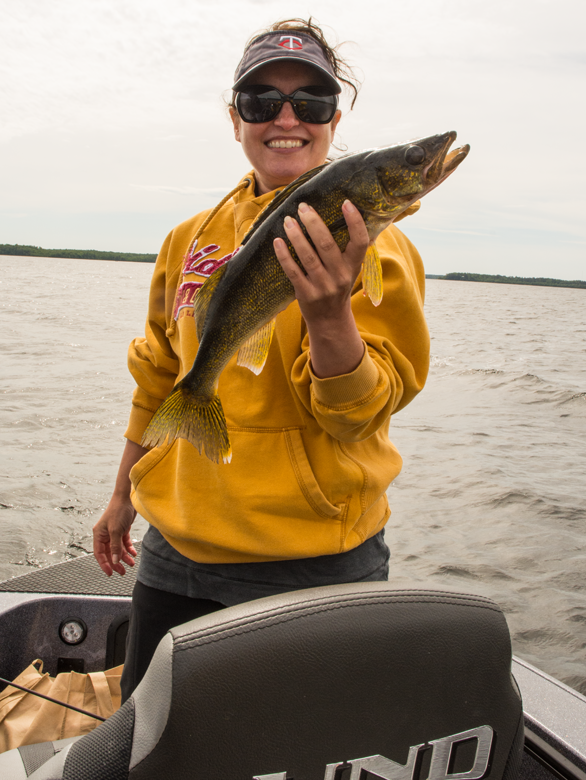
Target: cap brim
x,y
246,78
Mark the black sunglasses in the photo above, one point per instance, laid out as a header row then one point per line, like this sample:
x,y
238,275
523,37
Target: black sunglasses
x,y
314,105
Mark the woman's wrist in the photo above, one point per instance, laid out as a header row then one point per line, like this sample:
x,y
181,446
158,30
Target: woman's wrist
x,y
121,496
335,346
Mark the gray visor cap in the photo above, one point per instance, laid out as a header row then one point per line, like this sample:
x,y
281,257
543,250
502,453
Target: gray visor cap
x,y
288,46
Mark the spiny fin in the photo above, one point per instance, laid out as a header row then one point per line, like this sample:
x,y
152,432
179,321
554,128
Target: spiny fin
x,y
254,352
204,297
372,275
279,198
200,420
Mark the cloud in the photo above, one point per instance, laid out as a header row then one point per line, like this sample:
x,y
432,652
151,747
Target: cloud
x,y
205,191
452,230
95,95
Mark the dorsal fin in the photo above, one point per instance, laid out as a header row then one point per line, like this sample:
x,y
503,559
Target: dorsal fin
x,y
279,198
204,297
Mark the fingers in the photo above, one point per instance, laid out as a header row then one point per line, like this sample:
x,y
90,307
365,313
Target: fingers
x,y
103,556
291,269
127,541
117,551
325,252
323,276
112,544
359,239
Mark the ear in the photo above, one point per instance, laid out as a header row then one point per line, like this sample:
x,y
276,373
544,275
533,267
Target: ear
x,y
334,122
236,122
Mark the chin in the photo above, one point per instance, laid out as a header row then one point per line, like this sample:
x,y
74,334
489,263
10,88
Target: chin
x,y
291,169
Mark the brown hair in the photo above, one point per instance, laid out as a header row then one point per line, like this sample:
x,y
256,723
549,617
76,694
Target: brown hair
x,y
341,68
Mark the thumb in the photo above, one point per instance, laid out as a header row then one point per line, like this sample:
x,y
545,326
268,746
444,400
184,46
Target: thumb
x,y
115,545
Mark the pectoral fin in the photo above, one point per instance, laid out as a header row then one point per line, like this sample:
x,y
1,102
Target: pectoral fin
x,y
254,352
372,275
414,207
204,297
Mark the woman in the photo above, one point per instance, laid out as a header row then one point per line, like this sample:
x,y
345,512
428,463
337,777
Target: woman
x,y
303,502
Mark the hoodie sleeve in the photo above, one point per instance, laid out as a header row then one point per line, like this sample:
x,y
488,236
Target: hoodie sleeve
x,y
395,363
151,359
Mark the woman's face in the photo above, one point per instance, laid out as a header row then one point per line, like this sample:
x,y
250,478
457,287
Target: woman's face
x,y
276,167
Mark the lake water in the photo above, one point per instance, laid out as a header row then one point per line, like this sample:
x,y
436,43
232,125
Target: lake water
x,y
491,499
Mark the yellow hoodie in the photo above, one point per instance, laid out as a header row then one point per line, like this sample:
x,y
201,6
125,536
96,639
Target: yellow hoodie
x,y
311,457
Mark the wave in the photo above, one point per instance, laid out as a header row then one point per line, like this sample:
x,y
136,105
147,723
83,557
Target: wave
x,y
535,388
441,362
483,371
571,514
473,572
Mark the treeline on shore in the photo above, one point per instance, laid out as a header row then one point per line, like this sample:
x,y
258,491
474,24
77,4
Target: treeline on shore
x,y
75,254
94,254
538,281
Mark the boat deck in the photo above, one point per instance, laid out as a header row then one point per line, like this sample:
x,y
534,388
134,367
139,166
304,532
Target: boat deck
x,y
80,575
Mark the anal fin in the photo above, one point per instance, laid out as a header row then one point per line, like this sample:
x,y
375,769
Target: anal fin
x,y
372,275
254,352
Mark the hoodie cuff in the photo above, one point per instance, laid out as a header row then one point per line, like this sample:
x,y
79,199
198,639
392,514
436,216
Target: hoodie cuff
x,y
137,423
348,390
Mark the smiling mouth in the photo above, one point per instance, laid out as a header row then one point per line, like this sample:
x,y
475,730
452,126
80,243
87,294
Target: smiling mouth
x,y
286,144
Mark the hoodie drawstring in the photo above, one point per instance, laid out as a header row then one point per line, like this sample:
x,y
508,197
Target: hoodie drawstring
x,y
241,186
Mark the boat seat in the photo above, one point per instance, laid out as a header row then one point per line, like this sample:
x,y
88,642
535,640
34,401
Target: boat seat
x,y
347,682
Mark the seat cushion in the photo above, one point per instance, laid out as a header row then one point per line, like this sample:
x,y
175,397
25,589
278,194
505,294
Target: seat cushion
x,y
296,683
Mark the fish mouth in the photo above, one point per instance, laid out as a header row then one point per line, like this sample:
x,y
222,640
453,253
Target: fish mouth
x,y
444,163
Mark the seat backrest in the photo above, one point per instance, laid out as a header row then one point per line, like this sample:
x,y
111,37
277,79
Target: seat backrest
x,y
331,683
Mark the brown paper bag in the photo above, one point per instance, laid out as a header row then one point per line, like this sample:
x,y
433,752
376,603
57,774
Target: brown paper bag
x,y
26,719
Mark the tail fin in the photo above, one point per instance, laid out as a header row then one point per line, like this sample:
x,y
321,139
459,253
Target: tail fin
x,y
200,420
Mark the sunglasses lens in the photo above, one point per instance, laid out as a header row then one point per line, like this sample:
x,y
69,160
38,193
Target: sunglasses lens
x,y
262,104
314,109
256,108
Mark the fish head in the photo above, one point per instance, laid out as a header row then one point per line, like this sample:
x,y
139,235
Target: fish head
x,y
407,172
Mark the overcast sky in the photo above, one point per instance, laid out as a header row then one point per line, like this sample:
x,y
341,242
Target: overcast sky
x,y
113,129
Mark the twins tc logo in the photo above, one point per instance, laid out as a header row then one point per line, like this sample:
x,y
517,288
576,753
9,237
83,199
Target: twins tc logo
x,y
290,42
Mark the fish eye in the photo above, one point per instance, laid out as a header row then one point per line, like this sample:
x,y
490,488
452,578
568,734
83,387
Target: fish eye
x,y
414,155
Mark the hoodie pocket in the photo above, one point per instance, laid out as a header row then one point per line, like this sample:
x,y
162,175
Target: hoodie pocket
x,y
142,467
305,476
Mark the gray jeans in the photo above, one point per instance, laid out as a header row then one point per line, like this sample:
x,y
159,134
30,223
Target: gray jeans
x,y
162,567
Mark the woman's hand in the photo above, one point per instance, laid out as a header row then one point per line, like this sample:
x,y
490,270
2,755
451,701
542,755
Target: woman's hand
x,y
112,544
324,294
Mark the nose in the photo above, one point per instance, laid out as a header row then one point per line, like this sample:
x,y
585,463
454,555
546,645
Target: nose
x,y
286,118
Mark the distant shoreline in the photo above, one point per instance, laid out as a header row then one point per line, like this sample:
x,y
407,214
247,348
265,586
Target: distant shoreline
x,y
74,254
498,279
130,257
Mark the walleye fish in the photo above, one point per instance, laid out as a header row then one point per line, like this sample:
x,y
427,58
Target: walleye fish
x,y
236,307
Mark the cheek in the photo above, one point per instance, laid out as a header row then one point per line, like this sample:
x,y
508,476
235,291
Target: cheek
x,y
249,135
326,136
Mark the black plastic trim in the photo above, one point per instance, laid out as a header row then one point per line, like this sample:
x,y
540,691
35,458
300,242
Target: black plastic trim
x,y
550,758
